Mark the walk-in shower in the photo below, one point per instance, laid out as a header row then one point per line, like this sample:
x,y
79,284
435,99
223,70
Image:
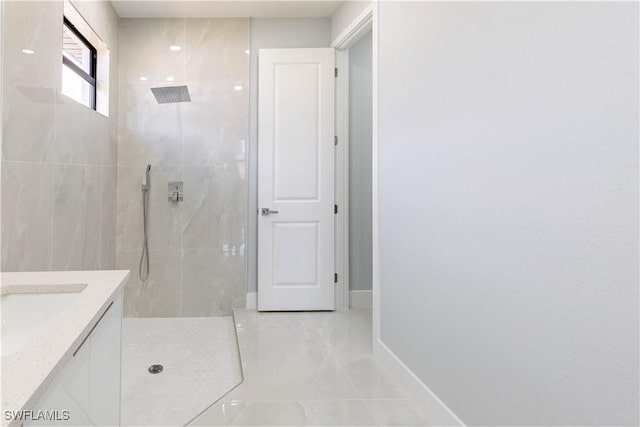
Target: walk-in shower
x,y
183,112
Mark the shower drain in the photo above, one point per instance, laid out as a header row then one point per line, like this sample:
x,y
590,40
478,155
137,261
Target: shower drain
x,y
155,369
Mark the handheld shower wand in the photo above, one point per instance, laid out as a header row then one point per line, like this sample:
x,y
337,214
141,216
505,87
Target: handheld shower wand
x,y
143,267
147,179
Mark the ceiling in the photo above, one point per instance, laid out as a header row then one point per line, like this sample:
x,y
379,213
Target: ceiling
x,y
228,8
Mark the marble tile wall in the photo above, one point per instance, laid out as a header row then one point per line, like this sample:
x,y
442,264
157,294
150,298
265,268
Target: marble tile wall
x,y
58,157
197,247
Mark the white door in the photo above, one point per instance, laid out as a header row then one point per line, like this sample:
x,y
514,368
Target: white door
x,y
295,179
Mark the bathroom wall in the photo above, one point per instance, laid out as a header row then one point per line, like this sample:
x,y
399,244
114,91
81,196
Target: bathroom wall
x,y
58,157
360,145
508,196
272,33
344,16
198,246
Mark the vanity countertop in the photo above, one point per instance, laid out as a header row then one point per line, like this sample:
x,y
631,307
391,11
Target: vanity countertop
x,y
27,373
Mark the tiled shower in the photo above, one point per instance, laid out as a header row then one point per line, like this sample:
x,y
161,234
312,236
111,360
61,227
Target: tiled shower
x,y
74,175
180,316
71,188
197,246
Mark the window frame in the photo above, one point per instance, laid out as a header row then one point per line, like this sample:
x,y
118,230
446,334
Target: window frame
x,y
88,77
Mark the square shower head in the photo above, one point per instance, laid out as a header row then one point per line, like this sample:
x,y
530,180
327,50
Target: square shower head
x,y
171,94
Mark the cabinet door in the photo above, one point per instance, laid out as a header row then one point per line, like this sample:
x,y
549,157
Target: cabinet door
x,y
89,385
69,392
104,377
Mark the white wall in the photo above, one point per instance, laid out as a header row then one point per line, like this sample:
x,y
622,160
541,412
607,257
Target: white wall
x,y
360,128
348,11
509,206
271,33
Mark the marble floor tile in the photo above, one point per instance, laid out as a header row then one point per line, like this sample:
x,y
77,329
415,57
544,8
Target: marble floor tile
x,y
298,413
252,319
295,375
372,381
397,412
310,369
355,318
348,345
267,346
211,417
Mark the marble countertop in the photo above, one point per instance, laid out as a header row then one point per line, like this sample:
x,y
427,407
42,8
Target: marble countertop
x,y
26,374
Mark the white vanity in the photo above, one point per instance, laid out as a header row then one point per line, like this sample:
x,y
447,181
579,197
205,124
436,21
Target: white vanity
x,y
61,338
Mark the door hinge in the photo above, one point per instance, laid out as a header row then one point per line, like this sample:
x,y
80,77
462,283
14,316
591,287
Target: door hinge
x,y
335,72
335,209
335,277
335,140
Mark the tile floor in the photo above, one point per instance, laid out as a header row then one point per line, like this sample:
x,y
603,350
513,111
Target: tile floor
x,y
310,369
201,364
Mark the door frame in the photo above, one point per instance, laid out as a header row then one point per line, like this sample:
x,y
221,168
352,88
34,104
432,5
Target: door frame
x,y
366,21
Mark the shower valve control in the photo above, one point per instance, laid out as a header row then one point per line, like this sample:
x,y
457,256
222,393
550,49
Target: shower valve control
x,y
175,191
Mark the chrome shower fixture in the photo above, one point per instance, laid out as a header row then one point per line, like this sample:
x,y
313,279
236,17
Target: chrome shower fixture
x,y
143,267
171,94
146,186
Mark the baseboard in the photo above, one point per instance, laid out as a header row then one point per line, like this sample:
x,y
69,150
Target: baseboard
x,y
252,300
360,299
437,412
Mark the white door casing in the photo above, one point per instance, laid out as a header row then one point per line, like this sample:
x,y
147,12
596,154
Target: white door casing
x,y
296,179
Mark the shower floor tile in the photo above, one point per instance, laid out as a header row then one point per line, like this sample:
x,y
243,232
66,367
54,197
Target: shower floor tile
x,y
200,360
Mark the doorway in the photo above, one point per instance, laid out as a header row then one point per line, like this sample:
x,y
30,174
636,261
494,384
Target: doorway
x,y
356,47
362,257
359,173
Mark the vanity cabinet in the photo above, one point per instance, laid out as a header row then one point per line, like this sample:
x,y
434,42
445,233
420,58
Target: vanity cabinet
x,y
88,387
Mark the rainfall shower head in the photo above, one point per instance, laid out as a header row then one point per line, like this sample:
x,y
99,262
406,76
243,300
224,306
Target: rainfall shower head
x,y
171,94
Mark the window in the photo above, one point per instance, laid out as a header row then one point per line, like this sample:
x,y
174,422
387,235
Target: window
x,y
78,66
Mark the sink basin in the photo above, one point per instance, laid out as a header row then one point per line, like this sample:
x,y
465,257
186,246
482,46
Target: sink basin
x,y
25,315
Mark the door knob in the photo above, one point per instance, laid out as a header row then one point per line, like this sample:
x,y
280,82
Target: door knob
x,y
267,211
